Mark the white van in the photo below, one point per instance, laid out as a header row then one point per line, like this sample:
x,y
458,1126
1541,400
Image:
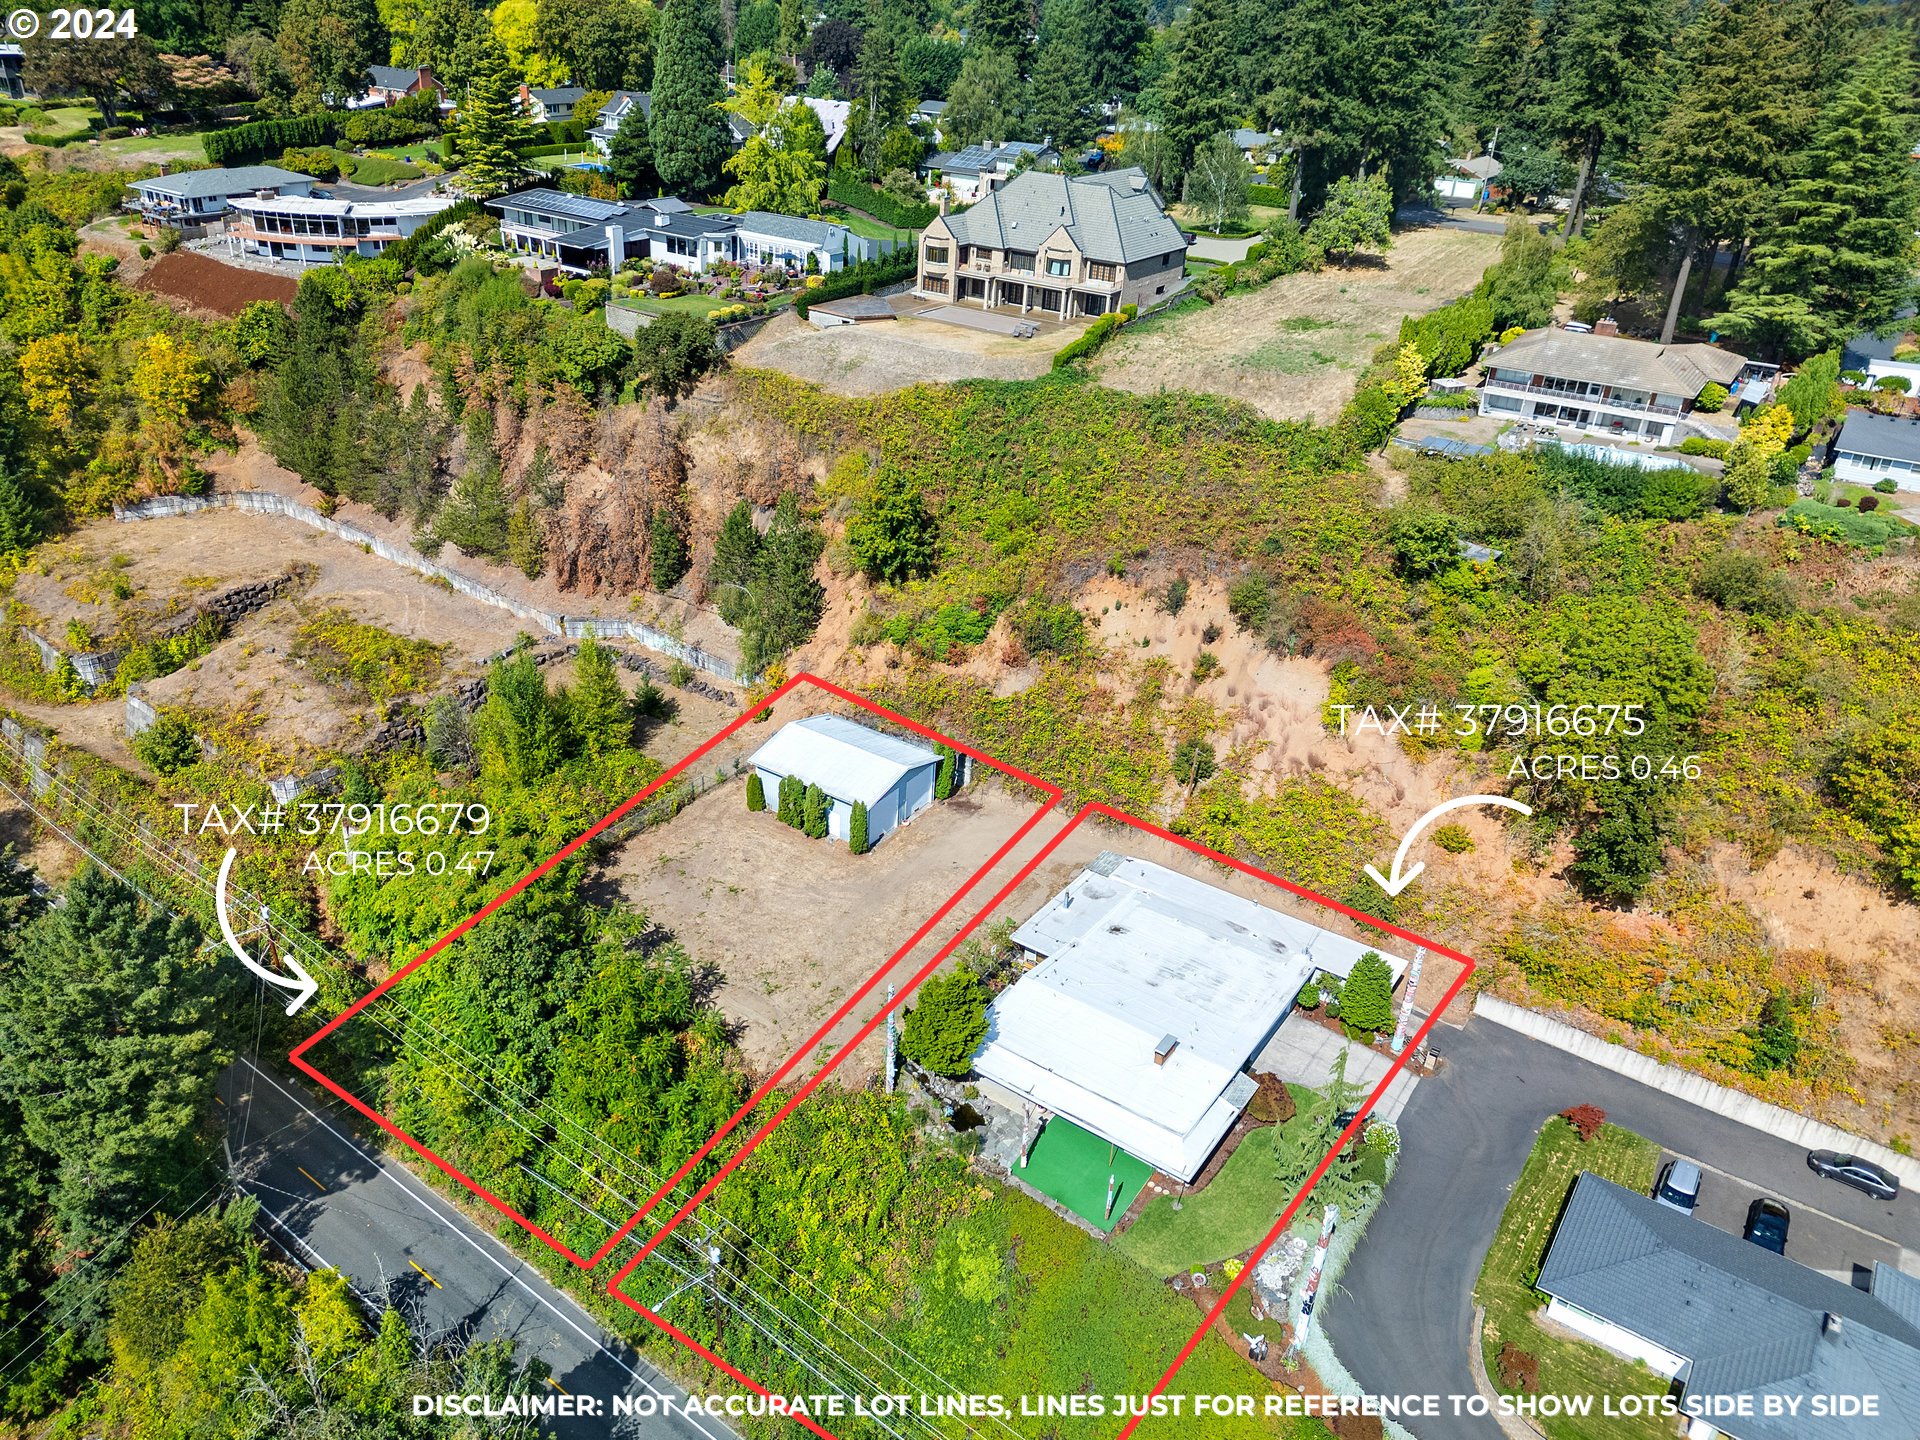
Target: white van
x,y
1679,1186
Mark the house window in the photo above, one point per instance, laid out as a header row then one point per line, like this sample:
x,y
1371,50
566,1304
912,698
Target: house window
x,y
1020,262
936,285
936,254
1059,267
1099,270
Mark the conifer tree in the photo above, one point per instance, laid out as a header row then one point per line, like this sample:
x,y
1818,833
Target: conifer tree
x,y
630,156
1835,257
814,813
19,518
857,829
736,556
597,710
1607,74
943,778
489,126
687,128
756,792
1199,91
1060,101
792,797
1366,1000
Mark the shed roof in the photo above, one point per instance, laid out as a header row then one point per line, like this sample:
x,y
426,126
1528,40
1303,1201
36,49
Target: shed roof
x,y
1106,222
847,760
1880,437
1750,1322
1136,952
236,180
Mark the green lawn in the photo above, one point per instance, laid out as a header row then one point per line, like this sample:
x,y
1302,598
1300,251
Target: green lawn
x,y
1075,1166
377,169
678,304
1505,1288
1232,1214
185,146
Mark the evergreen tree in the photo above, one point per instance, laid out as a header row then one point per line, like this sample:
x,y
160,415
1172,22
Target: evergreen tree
x,y
476,516
597,709
943,778
526,550
756,792
687,129
892,536
1005,26
792,801
775,168
783,601
667,555
1607,75
20,527
1366,1000
1503,79
1835,256
881,101
523,733
793,29
857,828
1199,94
1111,35
630,156
1712,167
490,126
110,1041
736,559
947,1023
813,815
1060,100
983,102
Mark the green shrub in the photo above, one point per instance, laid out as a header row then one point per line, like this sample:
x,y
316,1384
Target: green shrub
x,y
1175,599
1250,598
790,802
1206,665
945,777
1366,1000
756,792
815,810
857,829
1046,628
1454,839
1712,398
856,194
861,279
1193,762
169,744
947,1023
1309,996
1886,487
1271,195
1843,524
239,144
1093,337
1701,445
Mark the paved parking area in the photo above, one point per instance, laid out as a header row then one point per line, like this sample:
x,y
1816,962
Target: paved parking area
x,y
1303,1050
1816,1239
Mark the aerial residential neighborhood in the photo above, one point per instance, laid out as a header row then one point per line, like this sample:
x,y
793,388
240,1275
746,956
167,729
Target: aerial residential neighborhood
x,y
935,719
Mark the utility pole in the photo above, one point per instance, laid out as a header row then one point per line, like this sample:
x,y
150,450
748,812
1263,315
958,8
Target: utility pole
x,y
1406,1001
890,1040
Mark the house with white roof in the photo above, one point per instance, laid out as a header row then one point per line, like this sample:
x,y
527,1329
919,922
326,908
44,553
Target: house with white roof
x,y
967,174
323,229
892,777
1152,993
1073,246
193,199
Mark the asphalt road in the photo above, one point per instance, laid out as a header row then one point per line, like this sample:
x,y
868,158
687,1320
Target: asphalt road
x,y
331,1201
1402,1316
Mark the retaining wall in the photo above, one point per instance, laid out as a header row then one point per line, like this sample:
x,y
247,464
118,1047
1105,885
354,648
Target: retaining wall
x,y
570,626
1694,1089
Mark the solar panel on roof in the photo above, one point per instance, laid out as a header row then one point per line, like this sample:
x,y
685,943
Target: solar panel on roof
x,y
558,202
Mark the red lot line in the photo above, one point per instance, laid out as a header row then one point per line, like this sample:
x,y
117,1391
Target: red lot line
x,y
1279,1226
587,1262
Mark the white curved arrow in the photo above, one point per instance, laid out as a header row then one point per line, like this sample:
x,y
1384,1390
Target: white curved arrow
x,y
303,985
1402,878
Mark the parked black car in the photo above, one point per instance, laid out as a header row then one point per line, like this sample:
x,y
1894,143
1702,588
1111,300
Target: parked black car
x,y
1767,1222
1862,1175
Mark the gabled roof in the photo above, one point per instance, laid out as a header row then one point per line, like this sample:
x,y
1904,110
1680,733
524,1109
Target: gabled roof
x,y
558,95
1880,437
1481,167
616,107
393,77
1750,1322
544,201
791,227
235,180
1105,222
1244,139
1682,370
847,760
1871,345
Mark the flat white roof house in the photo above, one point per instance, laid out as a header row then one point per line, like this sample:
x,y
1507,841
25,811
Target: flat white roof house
x,y
892,777
1606,384
1153,993
1871,448
320,229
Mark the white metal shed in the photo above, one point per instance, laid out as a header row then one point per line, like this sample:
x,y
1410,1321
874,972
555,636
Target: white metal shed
x,y
892,777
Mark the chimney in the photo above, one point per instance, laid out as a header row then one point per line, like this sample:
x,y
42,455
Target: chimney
x,y
1168,1044
940,200
616,247
1606,325
1830,1326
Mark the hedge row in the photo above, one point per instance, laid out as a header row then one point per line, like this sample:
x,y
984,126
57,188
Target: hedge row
x,y
862,279
404,252
858,195
248,142
1094,336
1267,195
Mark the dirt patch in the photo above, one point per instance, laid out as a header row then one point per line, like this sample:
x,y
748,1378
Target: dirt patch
x,y
797,925
889,355
1292,348
199,282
